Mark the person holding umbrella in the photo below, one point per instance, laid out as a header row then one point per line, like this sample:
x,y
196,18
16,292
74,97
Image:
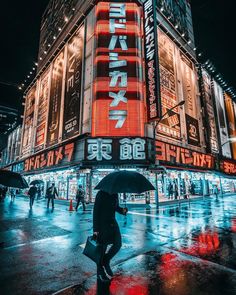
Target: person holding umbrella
x,y
106,230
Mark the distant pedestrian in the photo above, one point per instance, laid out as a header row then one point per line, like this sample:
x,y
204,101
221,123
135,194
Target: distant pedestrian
x,y
80,197
51,195
106,231
215,191
175,189
32,194
187,189
12,194
170,190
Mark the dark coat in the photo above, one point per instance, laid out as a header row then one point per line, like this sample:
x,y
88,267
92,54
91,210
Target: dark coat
x,y
32,191
104,221
50,193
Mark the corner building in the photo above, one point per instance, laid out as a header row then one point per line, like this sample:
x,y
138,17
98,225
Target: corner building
x,y
107,72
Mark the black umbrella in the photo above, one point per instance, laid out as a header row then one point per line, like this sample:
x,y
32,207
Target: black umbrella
x,y
125,182
36,181
12,179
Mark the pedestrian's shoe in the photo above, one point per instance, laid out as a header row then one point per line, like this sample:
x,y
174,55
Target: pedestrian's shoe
x,y
102,276
108,269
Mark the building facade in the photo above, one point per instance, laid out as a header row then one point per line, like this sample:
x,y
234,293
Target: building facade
x,y
107,72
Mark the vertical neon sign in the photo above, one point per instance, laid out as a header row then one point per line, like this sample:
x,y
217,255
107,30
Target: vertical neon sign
x,y
118,103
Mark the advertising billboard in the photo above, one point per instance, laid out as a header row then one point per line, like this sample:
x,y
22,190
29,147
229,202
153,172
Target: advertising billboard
x,y
72,96
28,122
209,112
221,118
170,125
172,154
229,107
118,106
151,60
176,12
55,99
40,135
189,82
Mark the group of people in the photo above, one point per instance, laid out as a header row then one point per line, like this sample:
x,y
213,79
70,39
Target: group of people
x,y
188,189
52,193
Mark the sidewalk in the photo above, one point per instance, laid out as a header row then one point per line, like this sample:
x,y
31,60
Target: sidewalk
x,y
137,204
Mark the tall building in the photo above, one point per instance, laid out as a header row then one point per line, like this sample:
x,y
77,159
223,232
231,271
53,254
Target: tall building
x,y
107,73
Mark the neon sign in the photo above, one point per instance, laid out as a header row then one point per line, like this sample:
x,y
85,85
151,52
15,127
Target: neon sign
x,y
178,155
118,105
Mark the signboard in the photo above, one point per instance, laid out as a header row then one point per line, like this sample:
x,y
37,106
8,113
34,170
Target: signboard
x,y
176,155
125,150
40,136
118,107
209,112
176,12
28,122
229,107
73,84
151,60
170,125
53,19
221,118
59,156
55,100
228,167
189,82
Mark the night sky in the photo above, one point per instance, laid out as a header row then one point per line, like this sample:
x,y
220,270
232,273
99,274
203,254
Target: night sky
x,y
214,26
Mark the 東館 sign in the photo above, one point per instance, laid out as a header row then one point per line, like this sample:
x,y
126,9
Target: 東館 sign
x,y
118,151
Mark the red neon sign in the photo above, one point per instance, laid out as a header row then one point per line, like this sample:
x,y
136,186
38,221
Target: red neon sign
x,y
118,107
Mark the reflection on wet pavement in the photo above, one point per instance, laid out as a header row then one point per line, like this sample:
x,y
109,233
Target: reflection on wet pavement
x,y
164,273
183,249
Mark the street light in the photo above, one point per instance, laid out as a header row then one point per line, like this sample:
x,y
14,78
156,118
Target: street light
x,y
182,102
231,139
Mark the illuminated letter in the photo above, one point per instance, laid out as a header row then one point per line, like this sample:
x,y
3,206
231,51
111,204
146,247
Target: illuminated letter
x,y
115,75
120,116
118,97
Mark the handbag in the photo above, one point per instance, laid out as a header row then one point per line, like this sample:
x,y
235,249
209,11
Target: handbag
x,y
93,250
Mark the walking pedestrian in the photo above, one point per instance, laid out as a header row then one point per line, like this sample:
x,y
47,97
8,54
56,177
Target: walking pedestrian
x,y
80,197
32,193
51,195
215,191
106,231
13,194
170,190
175,189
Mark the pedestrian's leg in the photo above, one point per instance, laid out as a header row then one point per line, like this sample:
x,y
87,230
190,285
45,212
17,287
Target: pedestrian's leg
x,y
112,252
101,274
52,203
115,246
83,203
48,202
77,205
32,201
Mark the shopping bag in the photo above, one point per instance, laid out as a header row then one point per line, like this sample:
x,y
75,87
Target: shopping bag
x,y
93,250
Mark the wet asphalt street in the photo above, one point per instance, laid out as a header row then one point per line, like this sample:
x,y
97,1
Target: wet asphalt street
x,y
179,249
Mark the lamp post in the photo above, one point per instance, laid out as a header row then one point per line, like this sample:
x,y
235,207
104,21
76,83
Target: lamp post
x,y
182,102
